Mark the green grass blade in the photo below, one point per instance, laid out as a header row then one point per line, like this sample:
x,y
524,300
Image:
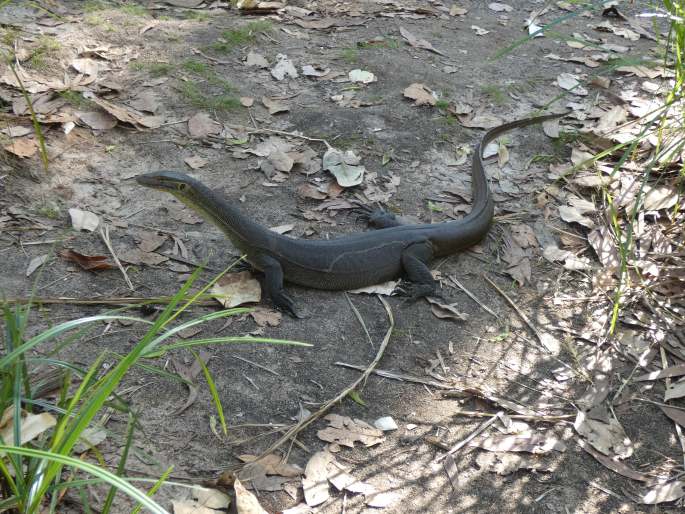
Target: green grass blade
x,y
155,487
122,462
110,478
229,339
213,391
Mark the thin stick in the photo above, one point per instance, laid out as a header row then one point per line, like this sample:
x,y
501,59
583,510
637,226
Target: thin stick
x,y
291,134
125,300
551,418
256,365
296,429
360,319
483,426
105,237
401,377
472,296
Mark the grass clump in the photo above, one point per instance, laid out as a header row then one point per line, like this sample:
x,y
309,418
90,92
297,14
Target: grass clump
x,y
32,463
47,48
241,36
495,94
349,54
75,99
197,98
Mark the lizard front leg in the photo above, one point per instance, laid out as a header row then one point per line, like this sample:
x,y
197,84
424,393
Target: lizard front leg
x,y
415,259
273,284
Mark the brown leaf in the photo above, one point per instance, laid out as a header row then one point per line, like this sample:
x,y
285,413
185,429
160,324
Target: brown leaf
x,y
97,120
274,106
201,125
613,464
444,311
23,147
125,114
307,190
87,262
421,94
150,241
195,161
235,289
677,415
532,443
418,43
36,263
346,431
667,492
138,256
264,317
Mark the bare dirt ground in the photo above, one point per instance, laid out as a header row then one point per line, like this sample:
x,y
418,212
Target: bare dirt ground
x,y
165,61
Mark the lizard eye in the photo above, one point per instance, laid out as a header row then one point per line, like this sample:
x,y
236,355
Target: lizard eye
x,y
182,186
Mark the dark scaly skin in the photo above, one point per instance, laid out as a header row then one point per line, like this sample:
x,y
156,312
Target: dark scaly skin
x,y
351,261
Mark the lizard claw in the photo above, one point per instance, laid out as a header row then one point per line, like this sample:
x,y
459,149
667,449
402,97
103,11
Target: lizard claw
x,y
284,303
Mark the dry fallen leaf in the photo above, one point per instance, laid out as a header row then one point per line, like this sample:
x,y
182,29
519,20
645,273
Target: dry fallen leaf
x,y
84,220
530,442
346,431
508,463
479,31
344,166
607,437
444,311
36,263
30,426
201,125
315,481
87,262
257,60
571,83
138,256
235,289
149,241
386,288
572,214
264,317
284,67
274,106
22,147
97,120
666,492
421,94
195,161
365,77
418,43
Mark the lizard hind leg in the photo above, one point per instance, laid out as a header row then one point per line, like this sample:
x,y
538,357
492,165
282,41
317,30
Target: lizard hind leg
x,y
415,259
380,219
273,285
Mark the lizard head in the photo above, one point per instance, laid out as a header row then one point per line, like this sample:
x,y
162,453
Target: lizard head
x,y
174,182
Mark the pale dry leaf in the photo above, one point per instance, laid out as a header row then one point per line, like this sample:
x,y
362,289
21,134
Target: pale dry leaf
x,y
36,263
22,147
365,77
282,229
609,438
274,106
613,464
499,7
273,464
30,426
671,371
667,492
89,66
266,317
418,43
572,214
660,197
676,390
676,415
421,94
284,67
571,83
383,499
246,502
479,31
530,442
256,60
90,438
201,125
344,166
138,256
146,101
386,288
246,101
444,311
455,10
346,431
125,114
195,161
480,120
315,481
84,220
315,71
97,120
235,289
16,131
605,248
149,241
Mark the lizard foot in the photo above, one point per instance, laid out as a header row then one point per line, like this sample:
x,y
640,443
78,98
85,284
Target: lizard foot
x,y
414,291
284,303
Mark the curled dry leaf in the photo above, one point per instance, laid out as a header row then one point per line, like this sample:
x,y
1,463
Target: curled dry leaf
x,y
30,426
87,262
22,147
235,289
571,214
201,125
84,220
444,311
97,120
284,67
125,114
386,288
36,263
365,77
346,431
418,43
421,94
479,31
137,256
344,166
274,106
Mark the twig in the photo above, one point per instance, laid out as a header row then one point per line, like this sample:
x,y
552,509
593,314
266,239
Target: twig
x,y
360,319
256,365
483,426
291,134
297,428
213,59
472,296
401,377
550,418
105,237
125,300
